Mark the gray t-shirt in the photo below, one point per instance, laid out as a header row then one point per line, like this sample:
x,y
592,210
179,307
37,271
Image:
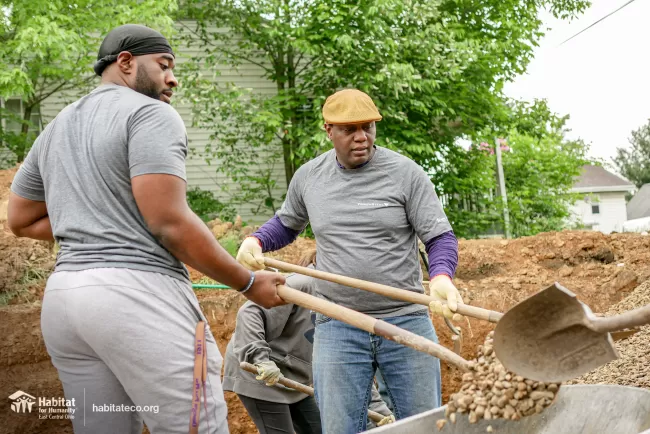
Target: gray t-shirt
x,y
366,222
81,165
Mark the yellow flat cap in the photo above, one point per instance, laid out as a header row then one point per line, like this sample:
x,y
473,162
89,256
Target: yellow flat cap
x,y
350,106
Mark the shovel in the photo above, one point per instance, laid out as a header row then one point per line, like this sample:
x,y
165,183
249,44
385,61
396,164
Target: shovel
x,y
372,325
378,288
372,415
553,337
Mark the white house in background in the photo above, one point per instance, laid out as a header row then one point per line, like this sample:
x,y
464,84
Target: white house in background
x,y
603,206
638,211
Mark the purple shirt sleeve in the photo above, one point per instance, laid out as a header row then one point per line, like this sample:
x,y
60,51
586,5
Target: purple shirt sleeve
x,y
443,254
273,235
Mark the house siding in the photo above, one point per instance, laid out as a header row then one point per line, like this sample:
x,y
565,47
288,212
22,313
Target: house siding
x,y
613,212
199,172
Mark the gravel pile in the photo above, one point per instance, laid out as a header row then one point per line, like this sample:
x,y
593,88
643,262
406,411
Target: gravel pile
x,y
632,368
489,391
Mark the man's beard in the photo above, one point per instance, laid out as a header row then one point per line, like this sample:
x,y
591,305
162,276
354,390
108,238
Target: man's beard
x,y
144,84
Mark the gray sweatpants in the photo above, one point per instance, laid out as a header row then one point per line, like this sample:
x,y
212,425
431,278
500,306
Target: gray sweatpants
x,y
123,344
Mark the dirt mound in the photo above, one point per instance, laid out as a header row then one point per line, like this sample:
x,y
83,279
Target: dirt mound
x,y
25,364
24,266
24,263
632,368
6,178
495,274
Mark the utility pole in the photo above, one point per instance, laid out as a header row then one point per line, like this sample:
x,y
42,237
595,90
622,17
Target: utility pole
x,y
502,188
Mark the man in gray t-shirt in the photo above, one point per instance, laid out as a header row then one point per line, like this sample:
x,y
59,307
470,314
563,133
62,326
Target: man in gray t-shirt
x,y
367,206
106,180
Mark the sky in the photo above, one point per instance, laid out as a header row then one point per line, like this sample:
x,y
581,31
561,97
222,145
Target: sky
x,y
600,78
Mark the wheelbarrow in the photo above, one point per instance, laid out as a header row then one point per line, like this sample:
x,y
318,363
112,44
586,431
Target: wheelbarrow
x,y
578,409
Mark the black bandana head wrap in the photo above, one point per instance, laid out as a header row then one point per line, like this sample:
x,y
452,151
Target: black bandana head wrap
x,y
137,40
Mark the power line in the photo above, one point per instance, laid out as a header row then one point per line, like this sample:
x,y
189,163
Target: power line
x,y
593,24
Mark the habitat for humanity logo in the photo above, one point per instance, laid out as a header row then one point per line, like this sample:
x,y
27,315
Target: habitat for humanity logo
x,y
22,402
48,408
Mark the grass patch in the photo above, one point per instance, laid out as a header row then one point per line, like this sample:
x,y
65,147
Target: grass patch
x,y
33,276
231,244
22,294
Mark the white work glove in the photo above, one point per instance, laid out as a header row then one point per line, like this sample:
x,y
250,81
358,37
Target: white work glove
x,y
386,420
250,254
268,372
442,289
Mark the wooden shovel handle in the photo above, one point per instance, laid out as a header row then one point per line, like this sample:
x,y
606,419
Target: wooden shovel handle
x,y
630,319
378,288
373,415
372,325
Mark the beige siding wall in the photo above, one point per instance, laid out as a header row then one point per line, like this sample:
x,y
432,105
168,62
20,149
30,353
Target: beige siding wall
x,y
200,173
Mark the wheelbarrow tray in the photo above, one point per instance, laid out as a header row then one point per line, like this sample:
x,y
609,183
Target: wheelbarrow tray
x,y
578,409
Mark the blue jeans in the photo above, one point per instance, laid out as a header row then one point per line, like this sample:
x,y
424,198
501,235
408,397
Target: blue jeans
x,y
344,363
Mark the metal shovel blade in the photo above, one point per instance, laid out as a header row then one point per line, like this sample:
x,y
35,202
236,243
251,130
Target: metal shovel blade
x,y
545,338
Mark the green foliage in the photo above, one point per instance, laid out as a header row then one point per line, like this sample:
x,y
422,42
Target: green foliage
x,y
435,69
465,184
634,163
539,166
308,232
539,175
208,207
230,243
47,47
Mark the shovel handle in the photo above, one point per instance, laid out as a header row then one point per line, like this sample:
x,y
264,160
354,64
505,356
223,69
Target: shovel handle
x,y
630,319
385,290
373,415
372,325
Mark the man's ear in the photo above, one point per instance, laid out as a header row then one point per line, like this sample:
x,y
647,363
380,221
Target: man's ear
x,y
328,130
126,62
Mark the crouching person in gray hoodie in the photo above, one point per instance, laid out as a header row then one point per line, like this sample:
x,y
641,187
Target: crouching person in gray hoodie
x,y
279,342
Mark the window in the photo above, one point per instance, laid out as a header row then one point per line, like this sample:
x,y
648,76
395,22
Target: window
x,y
595,209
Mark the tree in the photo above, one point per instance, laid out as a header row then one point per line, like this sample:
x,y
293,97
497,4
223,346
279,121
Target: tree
x,y
540,167
539,176
435,68
49,47
634,164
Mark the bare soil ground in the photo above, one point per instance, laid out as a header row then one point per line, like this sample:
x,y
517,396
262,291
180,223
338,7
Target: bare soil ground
x,y
495,274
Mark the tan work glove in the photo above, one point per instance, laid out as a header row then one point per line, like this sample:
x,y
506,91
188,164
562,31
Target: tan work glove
x,y
386,420
250,254
442,289
268,372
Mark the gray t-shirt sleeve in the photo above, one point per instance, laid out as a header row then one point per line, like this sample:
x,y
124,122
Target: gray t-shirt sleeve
x,y
301,282
28,182
157,141
293,212
255,327
423,208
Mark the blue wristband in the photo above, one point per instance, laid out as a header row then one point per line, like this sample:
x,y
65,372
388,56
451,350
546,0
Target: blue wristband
x,y
250,283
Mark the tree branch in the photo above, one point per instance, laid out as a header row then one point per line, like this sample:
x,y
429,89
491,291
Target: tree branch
x,y
305,67
228,52
60,87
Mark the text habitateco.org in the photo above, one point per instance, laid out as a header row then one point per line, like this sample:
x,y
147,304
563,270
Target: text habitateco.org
x,y
108,408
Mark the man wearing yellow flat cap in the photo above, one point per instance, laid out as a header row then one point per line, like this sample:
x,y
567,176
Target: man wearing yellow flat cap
x,y
367,206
